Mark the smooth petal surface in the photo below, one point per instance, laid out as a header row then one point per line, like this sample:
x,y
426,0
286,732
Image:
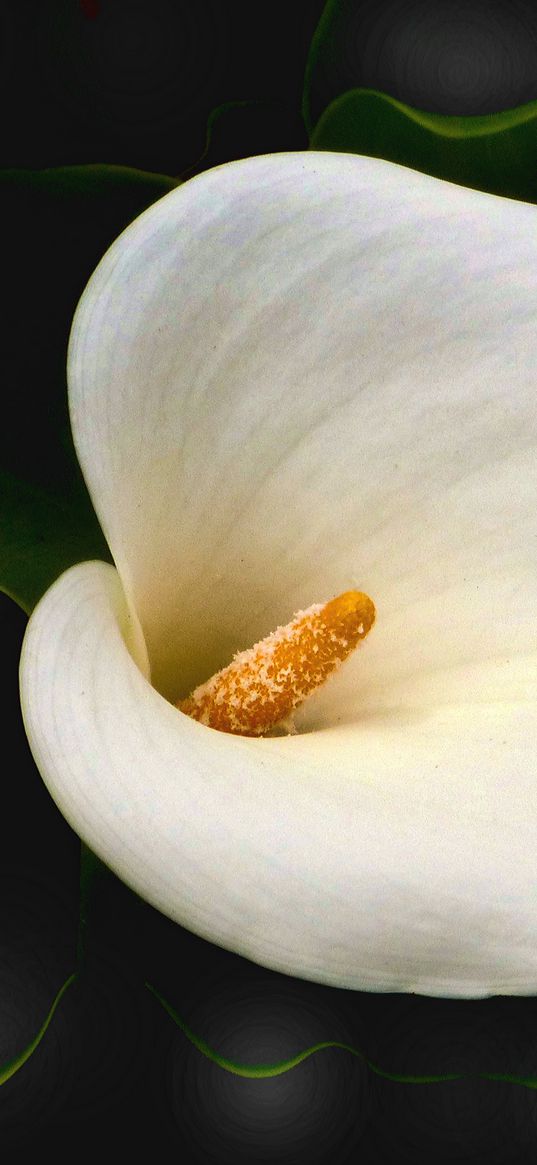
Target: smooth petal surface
x,y
301,373
292,376
412,868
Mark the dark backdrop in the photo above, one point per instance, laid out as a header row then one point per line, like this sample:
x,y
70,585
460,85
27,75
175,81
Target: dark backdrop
x,y
134,82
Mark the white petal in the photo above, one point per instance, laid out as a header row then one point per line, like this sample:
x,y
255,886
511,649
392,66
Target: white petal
x,y
399,855
302,373
294,375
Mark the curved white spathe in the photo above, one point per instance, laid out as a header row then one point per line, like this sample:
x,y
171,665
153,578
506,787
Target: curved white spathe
x,y
294,375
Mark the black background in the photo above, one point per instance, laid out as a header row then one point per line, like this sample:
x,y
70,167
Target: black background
x,y
133,82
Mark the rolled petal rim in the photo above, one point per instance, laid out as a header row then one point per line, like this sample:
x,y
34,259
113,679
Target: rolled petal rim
x,y
367,860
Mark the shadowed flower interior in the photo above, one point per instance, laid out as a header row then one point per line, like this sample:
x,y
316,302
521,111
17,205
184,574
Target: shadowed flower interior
x,y
297,376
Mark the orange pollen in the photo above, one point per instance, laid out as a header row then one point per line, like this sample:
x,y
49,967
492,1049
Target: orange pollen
x,y
262,686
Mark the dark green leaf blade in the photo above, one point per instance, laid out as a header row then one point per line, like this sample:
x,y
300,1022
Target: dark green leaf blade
x,y
496,153
41,535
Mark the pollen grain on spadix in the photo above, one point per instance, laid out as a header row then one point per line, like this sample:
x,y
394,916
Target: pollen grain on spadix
x,y
263,685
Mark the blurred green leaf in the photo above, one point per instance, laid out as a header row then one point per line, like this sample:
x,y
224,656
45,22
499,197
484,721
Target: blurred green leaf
x,y
41,535
12,1066
496,153
241,129
55,227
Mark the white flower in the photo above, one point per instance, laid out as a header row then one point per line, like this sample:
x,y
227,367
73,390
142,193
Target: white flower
x,y
295,375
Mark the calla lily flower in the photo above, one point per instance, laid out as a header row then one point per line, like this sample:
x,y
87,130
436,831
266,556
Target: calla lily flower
x,y
292,376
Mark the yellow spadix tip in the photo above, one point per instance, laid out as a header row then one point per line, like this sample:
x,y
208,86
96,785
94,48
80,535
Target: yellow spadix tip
x,y
263,686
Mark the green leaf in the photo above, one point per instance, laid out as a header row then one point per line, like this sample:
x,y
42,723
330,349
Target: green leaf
x,y
496,153
240,129
264,1071
12,1066
55,227
41,535
326,55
